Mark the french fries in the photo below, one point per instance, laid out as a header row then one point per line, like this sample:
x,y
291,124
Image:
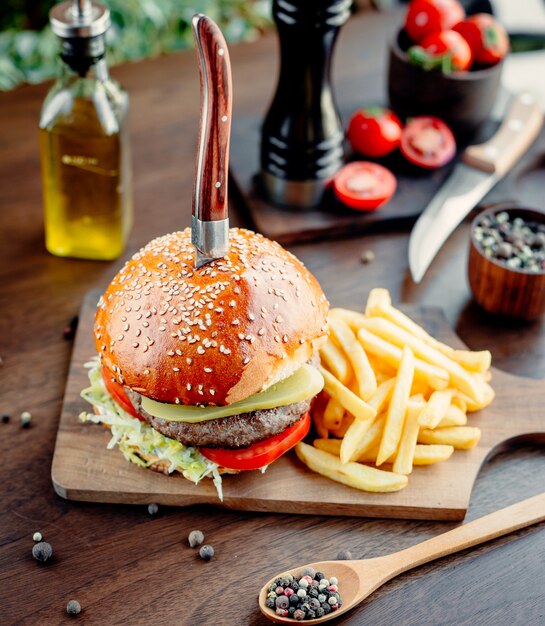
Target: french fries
x,y
394,397
352,474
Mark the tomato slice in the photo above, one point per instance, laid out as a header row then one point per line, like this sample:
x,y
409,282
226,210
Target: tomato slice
x,y
364,185
118,394
428,142
261,453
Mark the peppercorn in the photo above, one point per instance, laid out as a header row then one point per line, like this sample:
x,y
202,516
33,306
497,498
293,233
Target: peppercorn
x,y
313,593
70,330
153,508
42,551
333,580
282,612
309,571
332,600
303,583
37,537
25,419
314,604
294,600
282,602
73,607
270,603
295,585
320,612
291,611
206,552
326,608
279,591
319,576
367,256
5,418
322,598
288,592
311,614
299,615
195,538
344,555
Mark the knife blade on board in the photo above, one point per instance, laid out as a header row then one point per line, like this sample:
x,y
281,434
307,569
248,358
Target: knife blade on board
x,y
481,168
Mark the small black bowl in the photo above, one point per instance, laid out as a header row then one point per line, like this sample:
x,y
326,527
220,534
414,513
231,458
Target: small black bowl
x,y
463,100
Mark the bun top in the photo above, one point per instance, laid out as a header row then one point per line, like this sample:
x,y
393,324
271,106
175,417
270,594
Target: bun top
x,y
213,335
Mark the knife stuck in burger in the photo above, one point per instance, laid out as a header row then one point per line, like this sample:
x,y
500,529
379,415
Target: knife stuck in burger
x,y
208,338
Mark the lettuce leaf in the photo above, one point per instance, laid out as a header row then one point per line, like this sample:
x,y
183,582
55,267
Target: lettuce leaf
x,y
132,436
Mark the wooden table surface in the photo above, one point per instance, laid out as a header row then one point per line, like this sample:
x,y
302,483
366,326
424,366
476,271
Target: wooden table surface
x,y
121,564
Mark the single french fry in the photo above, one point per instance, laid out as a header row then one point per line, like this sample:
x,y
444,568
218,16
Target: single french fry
x,y
453,417
346,422
354,475
333,414
460,437
395,416
473,405
363,372
358,429
403,463
332,446
460,378
377,298
430,454
436,408
335,361
350,401
435,377
479,361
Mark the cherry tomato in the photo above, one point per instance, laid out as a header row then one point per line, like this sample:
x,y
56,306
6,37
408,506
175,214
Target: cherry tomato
x,y
374,131
487,38
449,50
428,142
261,453
364,185
118,394
425,17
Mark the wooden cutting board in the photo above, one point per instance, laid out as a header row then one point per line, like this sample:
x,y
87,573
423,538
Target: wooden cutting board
x,y
416,187
83,469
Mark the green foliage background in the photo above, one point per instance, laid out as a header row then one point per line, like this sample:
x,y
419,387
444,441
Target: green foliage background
x,y
140,28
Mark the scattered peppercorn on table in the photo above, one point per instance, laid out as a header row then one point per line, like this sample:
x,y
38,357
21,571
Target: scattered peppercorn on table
x,y
121,564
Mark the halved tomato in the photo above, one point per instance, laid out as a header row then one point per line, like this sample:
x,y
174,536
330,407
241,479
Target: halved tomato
x,y
261,453
428,142
364,185
118,394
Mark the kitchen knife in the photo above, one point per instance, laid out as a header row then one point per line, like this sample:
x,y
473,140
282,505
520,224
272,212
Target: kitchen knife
x,y
482,167
210,222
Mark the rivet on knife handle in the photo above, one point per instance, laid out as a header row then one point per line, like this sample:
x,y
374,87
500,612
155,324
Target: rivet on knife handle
x,y
515,135
210,223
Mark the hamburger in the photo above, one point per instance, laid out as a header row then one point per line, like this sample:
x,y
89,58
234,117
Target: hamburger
x,y
212,370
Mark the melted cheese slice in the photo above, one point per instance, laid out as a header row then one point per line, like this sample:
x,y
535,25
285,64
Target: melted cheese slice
x,y
305,383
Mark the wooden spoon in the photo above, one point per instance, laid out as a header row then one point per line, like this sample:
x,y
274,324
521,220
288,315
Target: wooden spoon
x,y
358,579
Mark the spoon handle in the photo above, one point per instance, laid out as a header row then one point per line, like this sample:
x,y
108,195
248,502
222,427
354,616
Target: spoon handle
x,y
210,209
507,520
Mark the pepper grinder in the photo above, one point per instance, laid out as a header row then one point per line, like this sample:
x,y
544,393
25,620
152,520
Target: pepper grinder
x,y
302,136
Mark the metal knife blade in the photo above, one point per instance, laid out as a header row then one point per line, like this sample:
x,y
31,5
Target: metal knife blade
x,y
482,166
461,192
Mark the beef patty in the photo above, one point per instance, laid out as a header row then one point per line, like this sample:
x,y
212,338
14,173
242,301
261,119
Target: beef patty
x,y
235,431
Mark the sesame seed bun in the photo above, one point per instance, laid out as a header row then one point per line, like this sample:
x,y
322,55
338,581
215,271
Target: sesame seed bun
x,y
213,335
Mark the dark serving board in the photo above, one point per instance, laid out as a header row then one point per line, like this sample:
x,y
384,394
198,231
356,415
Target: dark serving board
x,y
84,469
525,184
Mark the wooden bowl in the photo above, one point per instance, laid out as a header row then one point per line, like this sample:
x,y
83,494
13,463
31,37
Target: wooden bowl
x,y
503,290
463,100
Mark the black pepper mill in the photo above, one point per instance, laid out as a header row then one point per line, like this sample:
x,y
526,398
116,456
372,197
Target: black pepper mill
x,y
302,136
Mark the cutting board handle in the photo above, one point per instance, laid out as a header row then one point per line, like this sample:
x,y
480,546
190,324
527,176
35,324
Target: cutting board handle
x,y
516,134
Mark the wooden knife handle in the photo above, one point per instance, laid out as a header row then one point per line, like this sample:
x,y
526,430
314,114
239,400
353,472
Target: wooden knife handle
x,y
212,165
515,135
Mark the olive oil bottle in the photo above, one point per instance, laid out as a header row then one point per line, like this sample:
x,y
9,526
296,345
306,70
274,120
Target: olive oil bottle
x,y
84,147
